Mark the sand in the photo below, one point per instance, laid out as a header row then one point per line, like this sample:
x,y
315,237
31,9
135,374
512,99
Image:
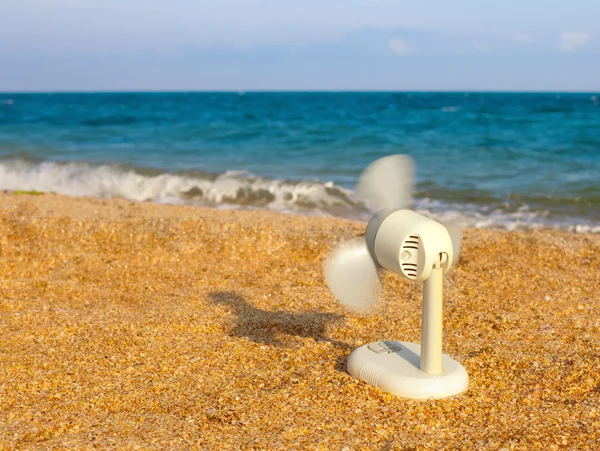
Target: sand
x,y
139,326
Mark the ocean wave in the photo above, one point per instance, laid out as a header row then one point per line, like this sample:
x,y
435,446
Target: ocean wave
x,y
230,189
241,189
110,120
523,218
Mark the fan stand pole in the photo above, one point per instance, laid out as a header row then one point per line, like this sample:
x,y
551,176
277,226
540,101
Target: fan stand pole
x,y
431,328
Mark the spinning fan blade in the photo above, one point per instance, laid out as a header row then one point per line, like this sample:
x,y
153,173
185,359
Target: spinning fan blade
x,y
352,275
388,183
455,230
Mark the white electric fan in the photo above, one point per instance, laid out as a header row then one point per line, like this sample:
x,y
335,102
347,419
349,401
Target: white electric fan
x,y
418,249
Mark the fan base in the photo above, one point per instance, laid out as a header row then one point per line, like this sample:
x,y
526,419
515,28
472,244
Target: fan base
x,y
393,367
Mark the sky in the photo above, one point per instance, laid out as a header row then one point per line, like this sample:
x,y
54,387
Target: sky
x,y
148,45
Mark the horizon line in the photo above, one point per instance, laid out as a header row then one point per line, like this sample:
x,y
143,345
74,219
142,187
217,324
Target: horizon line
x,y
300,91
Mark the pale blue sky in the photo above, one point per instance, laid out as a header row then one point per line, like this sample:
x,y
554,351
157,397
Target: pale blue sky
x,y
55,45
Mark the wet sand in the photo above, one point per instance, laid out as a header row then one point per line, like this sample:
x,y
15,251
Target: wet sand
x,y
140,326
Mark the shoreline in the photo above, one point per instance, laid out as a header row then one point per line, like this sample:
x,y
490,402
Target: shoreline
x,y
126,324
479,222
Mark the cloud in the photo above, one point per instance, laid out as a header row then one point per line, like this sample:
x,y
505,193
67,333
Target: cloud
x,y
522,37
400,46
570,41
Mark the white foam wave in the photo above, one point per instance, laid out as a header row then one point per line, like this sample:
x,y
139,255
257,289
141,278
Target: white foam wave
x,y
524,218
233,188
240,189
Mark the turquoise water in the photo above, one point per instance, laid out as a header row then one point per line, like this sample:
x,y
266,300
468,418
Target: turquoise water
x,y
498,159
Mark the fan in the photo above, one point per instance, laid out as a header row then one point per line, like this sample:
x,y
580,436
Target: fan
x,y
418,249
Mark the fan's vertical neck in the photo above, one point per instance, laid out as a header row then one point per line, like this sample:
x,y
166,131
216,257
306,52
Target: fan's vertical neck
x,y
431,328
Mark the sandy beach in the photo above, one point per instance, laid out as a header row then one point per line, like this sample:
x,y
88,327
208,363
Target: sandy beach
x,y
142,326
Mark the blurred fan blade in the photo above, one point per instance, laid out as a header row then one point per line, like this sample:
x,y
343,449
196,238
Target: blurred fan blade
x,y
352,275
388,183
455,230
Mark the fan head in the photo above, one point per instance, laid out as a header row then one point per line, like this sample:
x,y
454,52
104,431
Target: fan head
x,y
396,239
408,244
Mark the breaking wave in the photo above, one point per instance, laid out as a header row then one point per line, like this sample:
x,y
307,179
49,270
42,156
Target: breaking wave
x,y
241,189
230,189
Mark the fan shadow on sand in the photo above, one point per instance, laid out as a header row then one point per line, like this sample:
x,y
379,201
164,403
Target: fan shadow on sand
x,y
272,327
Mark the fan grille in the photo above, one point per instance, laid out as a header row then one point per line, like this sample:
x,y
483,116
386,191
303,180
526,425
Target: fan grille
x,y
409,265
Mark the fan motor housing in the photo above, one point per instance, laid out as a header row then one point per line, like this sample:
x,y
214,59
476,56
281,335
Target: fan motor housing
x,y
408,243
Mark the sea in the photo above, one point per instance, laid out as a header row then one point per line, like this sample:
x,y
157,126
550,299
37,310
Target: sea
x,y
496,160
